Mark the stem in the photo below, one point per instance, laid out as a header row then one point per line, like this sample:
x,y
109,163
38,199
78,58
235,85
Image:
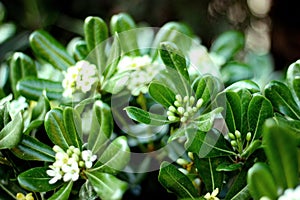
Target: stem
x,y
8,192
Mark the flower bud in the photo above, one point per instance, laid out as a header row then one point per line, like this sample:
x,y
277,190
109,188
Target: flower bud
x,y
169,113
231,136
199,103
183,119
180,110
172,109
172,118
177,104
248,136
191,155
182,161
233,143
178,98
185,99
237,134
192,100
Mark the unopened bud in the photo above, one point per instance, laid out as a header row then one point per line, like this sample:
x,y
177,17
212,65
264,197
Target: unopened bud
x,y
169,113
185,99
192,100
57,149
233,143
172,118
237,134
172,109
184,171
191,155
199,103
182,161
183,119
180,110
177,104
248,136
178,98
231,136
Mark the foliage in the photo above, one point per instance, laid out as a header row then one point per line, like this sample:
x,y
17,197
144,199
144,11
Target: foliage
x,y
86,120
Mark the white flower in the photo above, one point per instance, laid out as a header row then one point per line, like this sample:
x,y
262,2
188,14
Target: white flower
x,y
54,172
88,158
17,105
213,195
291,194
71,172
80,77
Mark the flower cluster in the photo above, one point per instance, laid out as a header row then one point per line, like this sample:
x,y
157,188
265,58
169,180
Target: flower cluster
x,y
80,77
184,108
67,164
236,140
144,70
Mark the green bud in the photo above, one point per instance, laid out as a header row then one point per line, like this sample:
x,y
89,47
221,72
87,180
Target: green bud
x,y
182,161
233,143
191,155
69,152
181,110
199,103
75,156
184,171
172,118
169,113
192,100
172,109
231,136
186,114
185,99
81,164
177,104
57,149
237,134
183,119
178,98
77,151
248,136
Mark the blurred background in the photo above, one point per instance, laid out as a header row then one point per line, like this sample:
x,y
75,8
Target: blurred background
x,y
270,26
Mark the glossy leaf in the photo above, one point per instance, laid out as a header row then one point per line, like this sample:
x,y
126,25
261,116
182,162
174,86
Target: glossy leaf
x,y
41,108
124,25
161,94
206,121
97,138
207,171
96,32
208,145
235,71
206,87
293,78
80,51
115,157
72,124
87,192
261,182
49,49
55,128
254,145
37,180
244,84
11,134
282,99
293,125
173,58
243,194
145,117
228,44
175,181
259,110
32,88
21,66
63,193
228,167
281,151
31,149
113,58
107,186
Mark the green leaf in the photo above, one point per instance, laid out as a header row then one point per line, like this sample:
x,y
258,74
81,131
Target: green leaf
x,y
206,121
54,126
41,108
161,94
33,125
254,145
261,182
259,110
31,149
96,32
63,193
32,88
114,158
293,78
87,192
21,66
173,58
244,84
293,125
80,51
145,117
206,87
107,186
235,71
11,134
282,99
175,181
208,145
113,58
98,137
175,32
124,25
72,123
243,194
228,44
281,150
207,171
37,180
4,115
46,47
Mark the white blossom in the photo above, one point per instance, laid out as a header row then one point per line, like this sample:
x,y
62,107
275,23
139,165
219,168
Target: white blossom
x,y
71,171
88,158
55,173
291,194
213,195
80,77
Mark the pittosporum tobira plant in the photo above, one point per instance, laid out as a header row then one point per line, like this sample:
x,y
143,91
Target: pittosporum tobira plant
x,y
89,120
